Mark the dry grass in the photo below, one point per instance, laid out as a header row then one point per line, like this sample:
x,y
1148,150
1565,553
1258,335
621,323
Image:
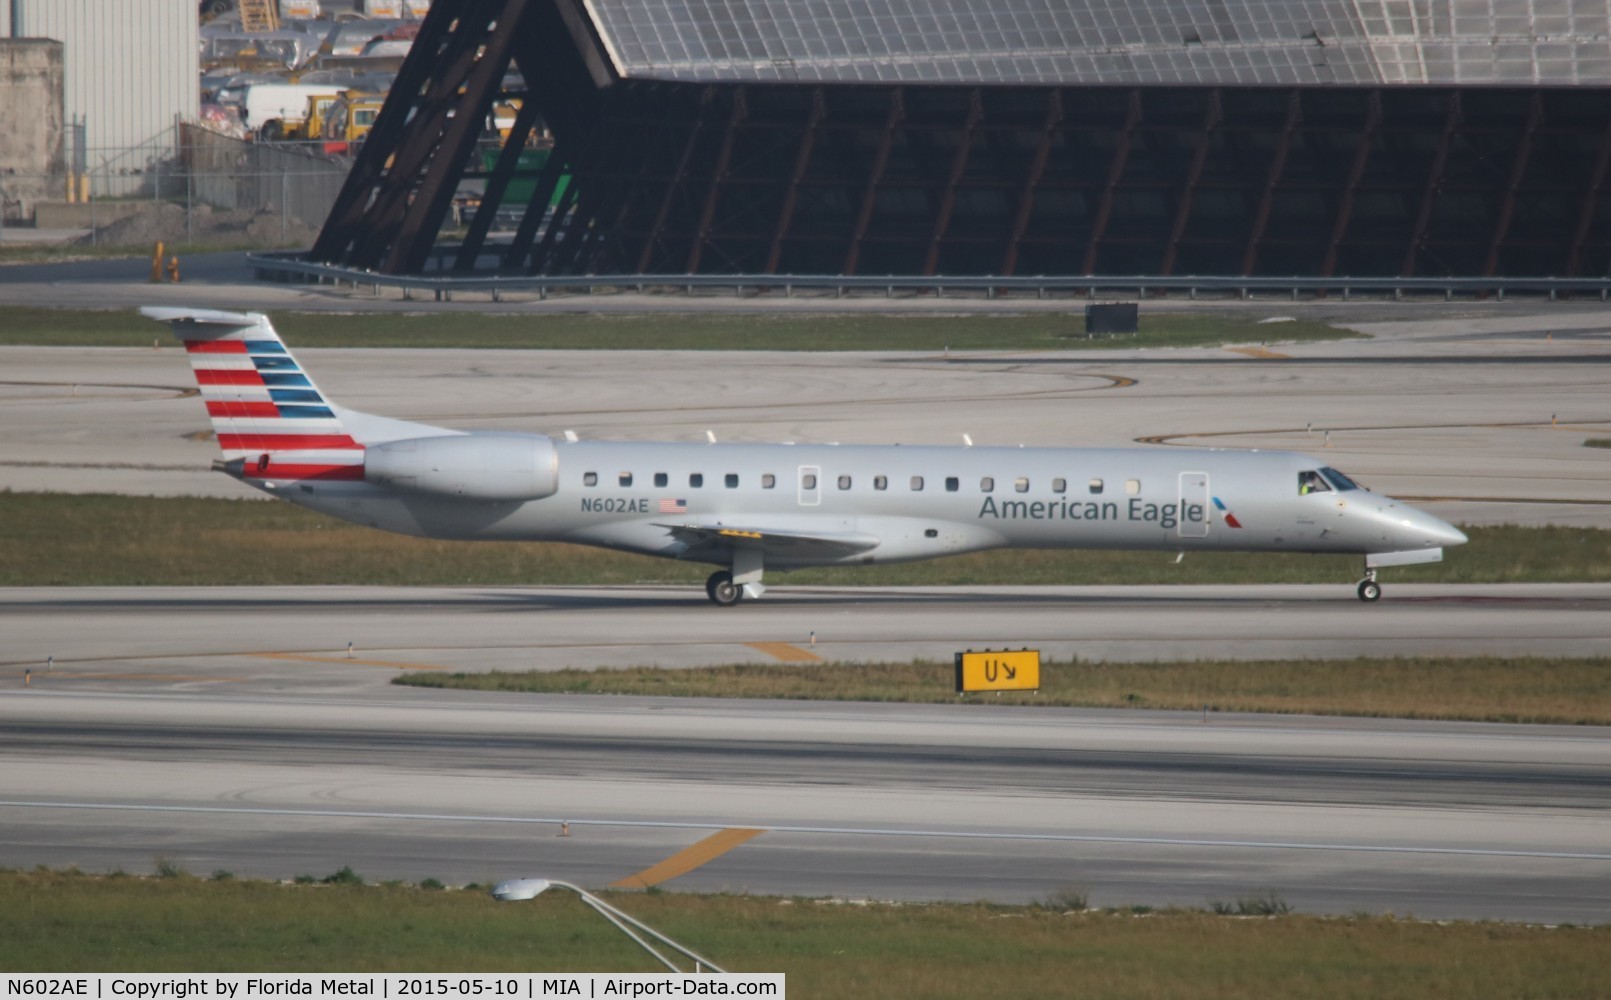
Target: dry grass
x,y
678,331
89,540
1491,689
81,540
72,923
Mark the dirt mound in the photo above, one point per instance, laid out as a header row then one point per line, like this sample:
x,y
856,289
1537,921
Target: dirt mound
x,y
206,227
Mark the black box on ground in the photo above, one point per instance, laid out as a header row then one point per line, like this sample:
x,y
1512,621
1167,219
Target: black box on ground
x,y
1112,317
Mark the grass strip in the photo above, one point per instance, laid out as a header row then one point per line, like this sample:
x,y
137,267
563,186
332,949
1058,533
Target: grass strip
x,y
57,539
1483,689
21,325
68,922
73,252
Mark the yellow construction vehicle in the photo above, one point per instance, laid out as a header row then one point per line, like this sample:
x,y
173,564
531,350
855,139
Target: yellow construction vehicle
x,y
349,118
313,118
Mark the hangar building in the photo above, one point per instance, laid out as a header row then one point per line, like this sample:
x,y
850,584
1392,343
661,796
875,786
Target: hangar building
x,y
128,69
1003,137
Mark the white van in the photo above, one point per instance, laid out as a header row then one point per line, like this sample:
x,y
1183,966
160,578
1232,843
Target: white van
x,y
273,109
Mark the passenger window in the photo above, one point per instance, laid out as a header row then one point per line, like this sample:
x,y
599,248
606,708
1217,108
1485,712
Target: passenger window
x,y
1060,486
880,482
952,484
625,479
732,480
808,481
1021,484
917,484
1132,487
768,481
590,479
844,482
1309,481
661,479
1096,486
696,479
986,484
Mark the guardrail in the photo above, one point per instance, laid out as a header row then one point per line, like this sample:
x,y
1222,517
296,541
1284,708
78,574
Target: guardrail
x,y
442,283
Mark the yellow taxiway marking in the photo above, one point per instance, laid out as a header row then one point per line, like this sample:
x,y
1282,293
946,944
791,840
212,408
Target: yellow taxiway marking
x,y
685,861
343,659
787,652
1258,352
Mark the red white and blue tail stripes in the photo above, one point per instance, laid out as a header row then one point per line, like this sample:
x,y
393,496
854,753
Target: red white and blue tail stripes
x,y
265,409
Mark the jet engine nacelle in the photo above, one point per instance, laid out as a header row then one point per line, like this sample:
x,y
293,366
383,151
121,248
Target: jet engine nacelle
x,y
482,466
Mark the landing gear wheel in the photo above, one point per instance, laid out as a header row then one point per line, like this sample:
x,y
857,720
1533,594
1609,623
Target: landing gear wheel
x,y
1370,591
721,589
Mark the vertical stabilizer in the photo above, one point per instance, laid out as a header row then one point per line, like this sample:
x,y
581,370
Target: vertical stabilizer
x,y
272,422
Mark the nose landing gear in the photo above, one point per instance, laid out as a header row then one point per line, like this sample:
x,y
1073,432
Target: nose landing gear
x,y
1369,590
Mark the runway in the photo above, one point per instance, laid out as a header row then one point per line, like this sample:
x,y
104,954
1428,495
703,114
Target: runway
x,y
861,801
229,729
257,635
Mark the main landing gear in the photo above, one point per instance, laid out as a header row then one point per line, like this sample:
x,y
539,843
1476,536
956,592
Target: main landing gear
x,y
1369,590
726,588
721,589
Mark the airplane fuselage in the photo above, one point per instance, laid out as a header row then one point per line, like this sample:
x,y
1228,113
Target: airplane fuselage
x,y
754,507
917,502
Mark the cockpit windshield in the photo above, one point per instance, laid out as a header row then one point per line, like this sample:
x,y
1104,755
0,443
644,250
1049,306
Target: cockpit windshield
x,y
1309,481
1340,481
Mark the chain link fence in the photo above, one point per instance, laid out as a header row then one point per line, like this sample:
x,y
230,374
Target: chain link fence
x,y
190,185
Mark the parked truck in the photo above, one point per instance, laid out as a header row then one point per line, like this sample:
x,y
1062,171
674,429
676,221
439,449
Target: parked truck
x,y
348,120
275,111
313,117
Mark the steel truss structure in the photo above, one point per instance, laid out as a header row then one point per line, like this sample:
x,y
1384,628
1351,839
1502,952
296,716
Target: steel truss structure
x,y
770,178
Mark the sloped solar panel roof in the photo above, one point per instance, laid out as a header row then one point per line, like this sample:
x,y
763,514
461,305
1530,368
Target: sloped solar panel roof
x,y
1110,41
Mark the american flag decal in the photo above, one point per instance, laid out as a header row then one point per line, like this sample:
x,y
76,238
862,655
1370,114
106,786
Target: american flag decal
x,y
668,506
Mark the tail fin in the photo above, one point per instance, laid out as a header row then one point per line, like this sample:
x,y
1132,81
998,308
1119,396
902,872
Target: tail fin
x,y
272,422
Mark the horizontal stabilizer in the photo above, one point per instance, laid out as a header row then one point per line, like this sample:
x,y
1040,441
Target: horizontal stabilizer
x,y
200,317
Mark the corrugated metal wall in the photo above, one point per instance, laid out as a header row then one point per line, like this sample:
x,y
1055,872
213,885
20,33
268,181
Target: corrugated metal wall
x,y
131,68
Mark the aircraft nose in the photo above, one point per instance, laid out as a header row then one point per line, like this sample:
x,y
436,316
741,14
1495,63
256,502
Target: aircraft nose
x,y
1435,531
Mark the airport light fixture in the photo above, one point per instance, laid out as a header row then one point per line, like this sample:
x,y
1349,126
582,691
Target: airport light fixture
x,y
514,889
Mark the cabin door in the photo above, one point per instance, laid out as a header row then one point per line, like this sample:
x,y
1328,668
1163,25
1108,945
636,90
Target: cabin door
x,y
810,485
1194,505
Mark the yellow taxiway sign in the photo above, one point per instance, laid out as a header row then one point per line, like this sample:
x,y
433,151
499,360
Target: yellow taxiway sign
x,y
998,670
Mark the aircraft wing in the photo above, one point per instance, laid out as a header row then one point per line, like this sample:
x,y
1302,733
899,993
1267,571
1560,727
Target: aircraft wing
x,y
779,541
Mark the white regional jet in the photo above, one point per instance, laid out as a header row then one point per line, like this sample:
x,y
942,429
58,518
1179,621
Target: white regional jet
x,y
747,508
